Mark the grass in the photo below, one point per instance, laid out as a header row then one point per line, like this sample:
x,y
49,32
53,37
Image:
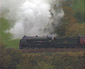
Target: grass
x,y
5,38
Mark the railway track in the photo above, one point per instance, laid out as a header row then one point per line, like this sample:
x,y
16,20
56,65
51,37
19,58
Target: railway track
x,y
53,50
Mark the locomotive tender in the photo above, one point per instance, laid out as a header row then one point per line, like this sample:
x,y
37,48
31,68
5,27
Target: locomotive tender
x,y
51,42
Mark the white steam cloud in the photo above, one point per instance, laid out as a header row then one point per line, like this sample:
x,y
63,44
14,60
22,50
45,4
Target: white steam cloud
x,y
32,17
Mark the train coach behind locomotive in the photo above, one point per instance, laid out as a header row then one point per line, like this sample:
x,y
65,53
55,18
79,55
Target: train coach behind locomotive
x,y
51,42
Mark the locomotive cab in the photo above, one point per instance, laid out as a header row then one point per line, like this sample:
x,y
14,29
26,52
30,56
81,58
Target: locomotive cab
x,y
82,41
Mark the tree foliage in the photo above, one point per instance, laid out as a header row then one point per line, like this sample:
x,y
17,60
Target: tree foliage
x,y
71,26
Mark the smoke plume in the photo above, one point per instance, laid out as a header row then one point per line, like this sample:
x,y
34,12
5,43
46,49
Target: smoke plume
x,y
32,17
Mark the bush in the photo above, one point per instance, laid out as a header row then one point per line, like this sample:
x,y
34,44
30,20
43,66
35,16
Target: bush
x,y
9,58
15,59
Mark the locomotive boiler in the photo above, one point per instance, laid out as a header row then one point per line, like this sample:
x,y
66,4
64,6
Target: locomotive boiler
x,y
51,42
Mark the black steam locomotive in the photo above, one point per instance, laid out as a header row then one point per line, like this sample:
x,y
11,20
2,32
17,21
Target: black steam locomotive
x,y
51,42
